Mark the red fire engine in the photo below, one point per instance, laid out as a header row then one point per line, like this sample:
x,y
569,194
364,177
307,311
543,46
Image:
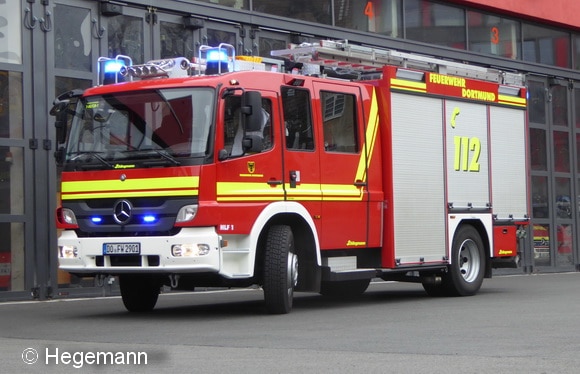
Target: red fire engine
x,y
353,164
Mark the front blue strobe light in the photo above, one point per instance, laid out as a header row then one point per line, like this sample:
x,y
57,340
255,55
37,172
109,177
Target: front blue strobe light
x,y
149,218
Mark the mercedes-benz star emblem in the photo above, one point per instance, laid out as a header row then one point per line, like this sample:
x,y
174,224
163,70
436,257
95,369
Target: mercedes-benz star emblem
x,y
122,212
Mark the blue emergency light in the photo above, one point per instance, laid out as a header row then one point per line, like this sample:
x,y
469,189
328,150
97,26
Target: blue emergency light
x,y
216,61
149,218
112,71
96,220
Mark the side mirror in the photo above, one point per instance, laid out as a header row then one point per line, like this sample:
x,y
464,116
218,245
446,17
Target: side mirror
x,y
60,124
59,155
60,111
252,110
252,144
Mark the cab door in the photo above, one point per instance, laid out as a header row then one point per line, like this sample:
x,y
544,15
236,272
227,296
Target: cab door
x,y
247,180
301,151
343,166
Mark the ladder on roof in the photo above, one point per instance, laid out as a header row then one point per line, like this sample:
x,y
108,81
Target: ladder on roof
x,y
348,57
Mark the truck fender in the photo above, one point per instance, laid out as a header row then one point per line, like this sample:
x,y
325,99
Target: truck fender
x,y
483,223
281,208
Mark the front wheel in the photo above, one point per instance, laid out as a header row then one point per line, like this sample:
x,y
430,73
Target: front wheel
x,y
280,270
139,293
467,267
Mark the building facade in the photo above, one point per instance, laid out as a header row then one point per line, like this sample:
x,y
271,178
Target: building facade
x,y
50,46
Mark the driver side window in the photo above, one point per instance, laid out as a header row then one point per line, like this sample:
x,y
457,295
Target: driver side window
x,y
297,119
234,132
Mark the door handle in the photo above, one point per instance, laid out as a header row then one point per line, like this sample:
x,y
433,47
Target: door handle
x,y
294,178
274,182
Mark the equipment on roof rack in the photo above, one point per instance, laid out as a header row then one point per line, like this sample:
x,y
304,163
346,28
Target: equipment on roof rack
x,y
342,58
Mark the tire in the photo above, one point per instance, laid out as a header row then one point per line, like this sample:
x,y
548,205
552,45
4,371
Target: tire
x,y
280,270
344,289
467,267
139,293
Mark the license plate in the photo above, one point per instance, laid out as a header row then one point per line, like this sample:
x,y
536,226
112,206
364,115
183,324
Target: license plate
x,y
121,248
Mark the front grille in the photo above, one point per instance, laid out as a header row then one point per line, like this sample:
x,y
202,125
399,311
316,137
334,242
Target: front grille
x,y
127,260
129,232
163,209
153,260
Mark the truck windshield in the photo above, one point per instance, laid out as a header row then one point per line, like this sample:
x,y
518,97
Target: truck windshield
x,y
152,128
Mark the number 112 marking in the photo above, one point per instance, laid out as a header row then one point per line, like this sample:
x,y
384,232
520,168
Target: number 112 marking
x,y
467,152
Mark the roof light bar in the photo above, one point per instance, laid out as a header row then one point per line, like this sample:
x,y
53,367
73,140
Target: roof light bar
x,y
170,68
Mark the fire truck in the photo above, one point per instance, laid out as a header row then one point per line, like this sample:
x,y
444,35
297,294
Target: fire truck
x,y
317,169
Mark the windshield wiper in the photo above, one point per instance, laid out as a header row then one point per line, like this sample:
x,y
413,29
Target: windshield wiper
x,y
168,157
94,155
171,110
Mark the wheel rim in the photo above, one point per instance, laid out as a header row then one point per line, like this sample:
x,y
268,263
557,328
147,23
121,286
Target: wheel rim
x,y
468,260
292,272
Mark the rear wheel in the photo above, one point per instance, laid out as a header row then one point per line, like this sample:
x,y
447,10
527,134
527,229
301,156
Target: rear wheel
x,y
280,270
467,268
139,293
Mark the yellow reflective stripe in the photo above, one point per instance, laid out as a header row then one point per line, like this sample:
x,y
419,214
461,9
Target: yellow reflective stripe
x,y
409,85
341,192
130,184
245,191
370,139
512,100
168,186
304,191
105,195
248,191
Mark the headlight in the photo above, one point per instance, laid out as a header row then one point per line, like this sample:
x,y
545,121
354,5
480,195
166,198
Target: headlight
x,y
189,250
67,216
186,213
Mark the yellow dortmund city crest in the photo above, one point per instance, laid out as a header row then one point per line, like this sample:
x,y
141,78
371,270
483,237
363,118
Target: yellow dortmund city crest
x,y
251,167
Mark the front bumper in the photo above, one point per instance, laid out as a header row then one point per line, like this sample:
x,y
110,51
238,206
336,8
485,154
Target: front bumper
x,y
155,254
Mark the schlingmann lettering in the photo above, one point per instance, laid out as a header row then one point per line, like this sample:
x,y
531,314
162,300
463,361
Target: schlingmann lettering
x,y
79,359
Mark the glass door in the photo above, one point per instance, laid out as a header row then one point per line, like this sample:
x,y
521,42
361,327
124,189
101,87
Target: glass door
x,y
24,149
563,199
541,254
73,48
175,35
576,126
